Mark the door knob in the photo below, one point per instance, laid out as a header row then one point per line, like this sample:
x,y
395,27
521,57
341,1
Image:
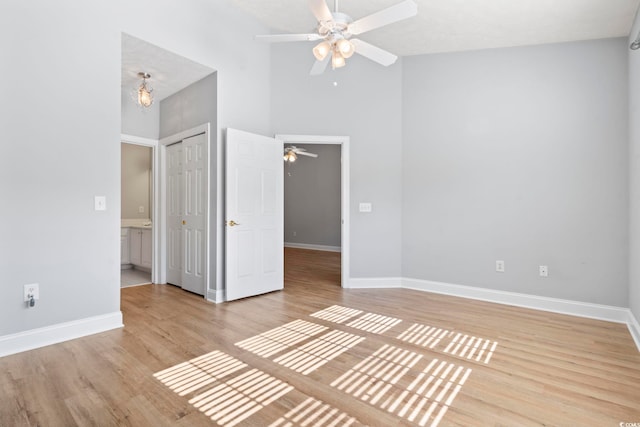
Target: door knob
x,y
232,223
184,222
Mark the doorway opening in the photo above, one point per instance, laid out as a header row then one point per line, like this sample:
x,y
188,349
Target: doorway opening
x,y
317,211
136,213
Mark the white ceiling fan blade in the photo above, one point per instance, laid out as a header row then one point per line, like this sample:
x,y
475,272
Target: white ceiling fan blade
x,y
398,12
374,53
319,66
320,10
277,38
304,153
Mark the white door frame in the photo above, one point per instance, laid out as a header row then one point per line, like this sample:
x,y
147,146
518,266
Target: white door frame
x,y
343,141
161,245
153,144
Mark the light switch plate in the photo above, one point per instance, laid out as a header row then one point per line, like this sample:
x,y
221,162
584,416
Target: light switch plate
x,y
100,203
365,207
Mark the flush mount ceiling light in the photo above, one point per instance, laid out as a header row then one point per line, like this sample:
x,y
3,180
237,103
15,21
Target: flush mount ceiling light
x,y
144,94
335,30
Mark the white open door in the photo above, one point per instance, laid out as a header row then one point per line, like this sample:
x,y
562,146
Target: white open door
x,y
254,215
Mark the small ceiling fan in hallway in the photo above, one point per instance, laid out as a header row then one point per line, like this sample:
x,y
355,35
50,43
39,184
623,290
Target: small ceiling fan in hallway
x,y
291,153
335,31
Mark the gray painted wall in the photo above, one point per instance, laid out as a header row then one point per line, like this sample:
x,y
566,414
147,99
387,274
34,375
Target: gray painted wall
x,y
312,197
61,151
366,106
519,155
192,106
634,181
136,181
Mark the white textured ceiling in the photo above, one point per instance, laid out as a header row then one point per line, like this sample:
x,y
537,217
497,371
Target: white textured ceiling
x,y
456,25
169,72
440,26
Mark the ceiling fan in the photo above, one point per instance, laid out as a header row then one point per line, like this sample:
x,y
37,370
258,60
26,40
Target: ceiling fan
x,y
335,30
292,153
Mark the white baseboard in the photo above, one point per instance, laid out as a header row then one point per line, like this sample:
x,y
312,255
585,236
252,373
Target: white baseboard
x,y
215,295
373,283
556,305
40,337
634,328
313,247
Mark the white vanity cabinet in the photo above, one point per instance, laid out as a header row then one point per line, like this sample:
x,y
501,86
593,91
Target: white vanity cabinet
x,y
140,247
124,246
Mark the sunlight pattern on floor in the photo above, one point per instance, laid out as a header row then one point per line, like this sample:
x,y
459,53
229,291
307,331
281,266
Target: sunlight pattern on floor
x,y
228,391
370,379
279,339
336,314
423,335
199,372
314,413
369,322
412,385
374,323
377,380
236,399
314,354
472,348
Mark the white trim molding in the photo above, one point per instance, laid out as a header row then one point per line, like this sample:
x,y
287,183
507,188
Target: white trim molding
x,y
555,305
634,328
313,247
345,198
215,295
155,170
373,283
54,334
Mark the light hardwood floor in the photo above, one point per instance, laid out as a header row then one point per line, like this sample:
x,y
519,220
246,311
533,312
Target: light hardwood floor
x,y
315,354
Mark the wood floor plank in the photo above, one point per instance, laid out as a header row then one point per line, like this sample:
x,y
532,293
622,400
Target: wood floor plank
x,y
376,365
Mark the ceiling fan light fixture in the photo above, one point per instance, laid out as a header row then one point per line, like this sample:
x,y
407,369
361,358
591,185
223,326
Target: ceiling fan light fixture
x,y
337,60
321,50
290,156
346,48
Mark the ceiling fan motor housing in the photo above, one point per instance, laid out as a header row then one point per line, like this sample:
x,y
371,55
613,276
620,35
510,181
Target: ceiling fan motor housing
x,y
336,29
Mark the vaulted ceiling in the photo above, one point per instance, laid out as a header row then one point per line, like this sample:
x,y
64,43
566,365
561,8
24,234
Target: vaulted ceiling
x,y
440,26
457,25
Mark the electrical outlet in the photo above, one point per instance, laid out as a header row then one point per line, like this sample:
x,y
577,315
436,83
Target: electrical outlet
x,y
365,207
500,266
141,209
544,271
30,290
